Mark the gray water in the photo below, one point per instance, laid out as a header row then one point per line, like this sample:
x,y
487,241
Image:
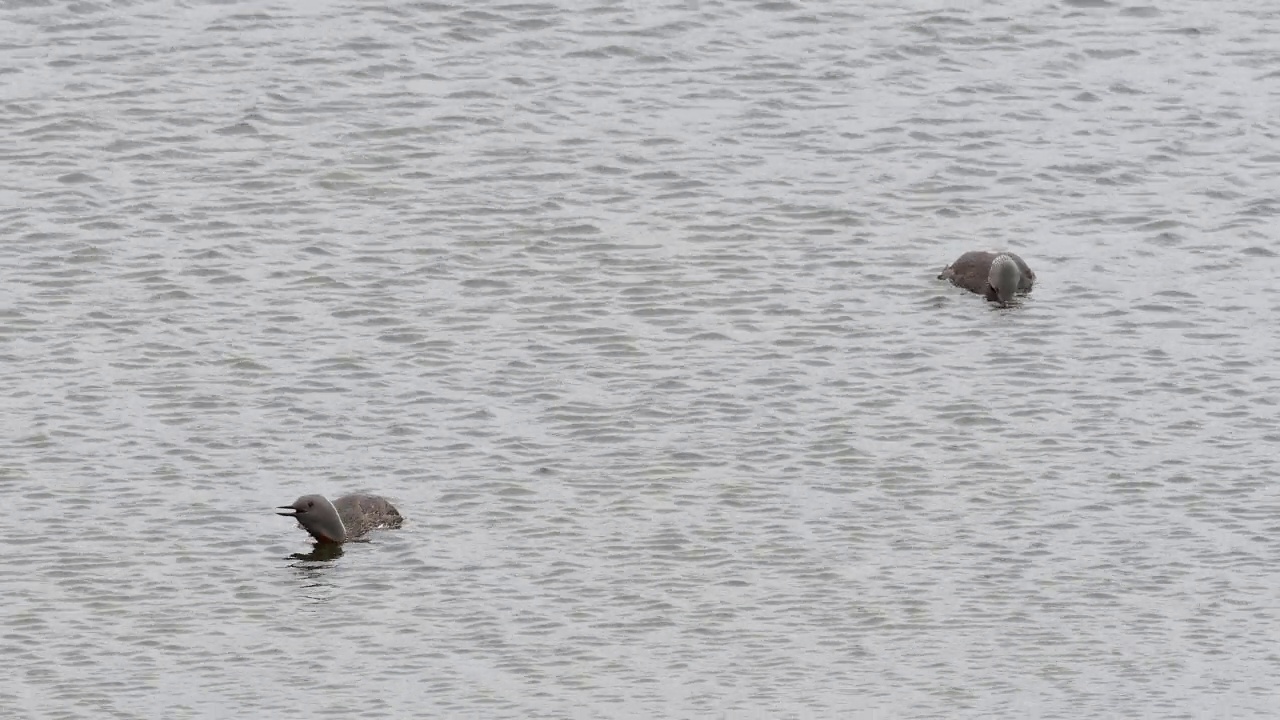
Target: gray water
x,y
632,309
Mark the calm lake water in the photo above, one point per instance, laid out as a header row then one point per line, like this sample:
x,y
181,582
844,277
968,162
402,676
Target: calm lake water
x,y
632,310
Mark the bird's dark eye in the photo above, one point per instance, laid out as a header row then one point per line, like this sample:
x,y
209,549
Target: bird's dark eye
x,y
311,504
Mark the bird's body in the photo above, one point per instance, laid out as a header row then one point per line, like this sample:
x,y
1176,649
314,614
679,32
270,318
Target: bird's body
x,y
347,518
996,276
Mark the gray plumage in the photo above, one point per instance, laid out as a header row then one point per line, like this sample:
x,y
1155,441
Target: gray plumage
x,y
346,518
996,276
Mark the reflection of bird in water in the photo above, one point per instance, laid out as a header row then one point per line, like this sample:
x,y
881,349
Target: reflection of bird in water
x,y
320,552
347,518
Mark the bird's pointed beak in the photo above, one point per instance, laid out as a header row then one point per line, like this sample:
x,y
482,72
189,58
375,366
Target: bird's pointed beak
x,y
294,510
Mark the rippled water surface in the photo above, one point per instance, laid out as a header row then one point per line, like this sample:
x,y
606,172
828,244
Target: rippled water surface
x,y
632,310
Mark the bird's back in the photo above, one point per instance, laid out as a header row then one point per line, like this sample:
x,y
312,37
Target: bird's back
x,y
362,513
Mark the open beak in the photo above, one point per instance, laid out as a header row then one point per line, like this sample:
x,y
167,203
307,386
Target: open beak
x,y
288,507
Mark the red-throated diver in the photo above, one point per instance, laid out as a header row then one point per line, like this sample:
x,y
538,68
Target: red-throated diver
x,y
997,276
346,518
